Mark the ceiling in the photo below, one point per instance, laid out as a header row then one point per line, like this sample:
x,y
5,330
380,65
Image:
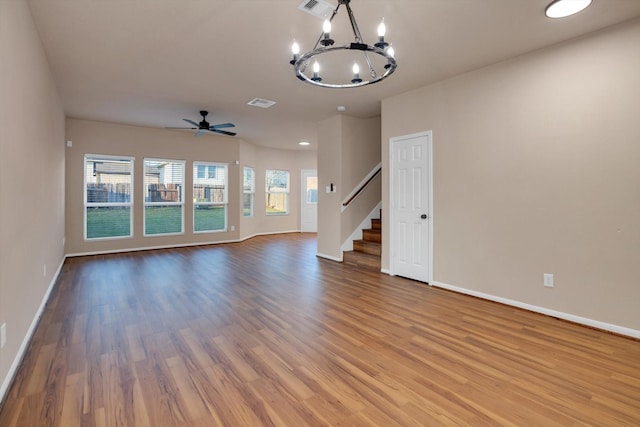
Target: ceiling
x,y
154,62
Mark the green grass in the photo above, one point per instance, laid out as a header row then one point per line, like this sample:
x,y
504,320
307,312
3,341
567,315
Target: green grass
x,y
275,211
162,220
108,222
208,218
114,222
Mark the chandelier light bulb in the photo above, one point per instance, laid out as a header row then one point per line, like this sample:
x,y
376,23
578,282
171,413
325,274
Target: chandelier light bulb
x,y
295,49
356,74
326,27
391,52
382,29
316,72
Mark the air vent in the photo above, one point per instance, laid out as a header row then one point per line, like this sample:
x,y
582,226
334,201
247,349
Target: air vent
x,y
318,8
262,103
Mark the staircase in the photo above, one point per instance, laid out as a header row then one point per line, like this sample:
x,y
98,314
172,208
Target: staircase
x,y
366,252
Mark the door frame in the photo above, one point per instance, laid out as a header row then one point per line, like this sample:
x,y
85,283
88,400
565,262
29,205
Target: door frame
x,y
303,199
392,250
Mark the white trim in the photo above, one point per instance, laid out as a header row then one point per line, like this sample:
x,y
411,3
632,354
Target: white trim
x,y
27,338
386,271
392,141
181,245
268,233
347,245
329,257
542,310
364,180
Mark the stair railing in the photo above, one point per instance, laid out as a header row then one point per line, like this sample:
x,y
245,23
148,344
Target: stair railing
x,y
363,184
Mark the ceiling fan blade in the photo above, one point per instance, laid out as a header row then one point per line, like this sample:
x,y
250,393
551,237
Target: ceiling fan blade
x,y
223,125
192,122
224,132
200,132
170,127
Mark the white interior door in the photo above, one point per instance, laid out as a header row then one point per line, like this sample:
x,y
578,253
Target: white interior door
x,y
309,209
411,211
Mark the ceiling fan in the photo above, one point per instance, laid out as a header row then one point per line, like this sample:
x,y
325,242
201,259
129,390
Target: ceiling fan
x,y
204,126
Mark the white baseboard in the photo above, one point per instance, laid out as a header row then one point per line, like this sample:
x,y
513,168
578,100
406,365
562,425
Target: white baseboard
x,y
270,233
386,271
332,258
27,338
181,245
553,313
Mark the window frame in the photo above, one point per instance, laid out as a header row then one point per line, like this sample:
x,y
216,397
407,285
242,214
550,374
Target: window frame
x,y
87,204
146,204
251,191
286,193
224,203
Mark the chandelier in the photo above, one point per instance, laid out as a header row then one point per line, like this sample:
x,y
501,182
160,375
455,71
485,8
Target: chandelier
x,y
379,58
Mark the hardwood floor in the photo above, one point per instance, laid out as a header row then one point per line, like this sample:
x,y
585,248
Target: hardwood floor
x,y
264,333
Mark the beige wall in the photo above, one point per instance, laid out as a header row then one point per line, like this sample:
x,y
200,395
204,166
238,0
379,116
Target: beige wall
x,y
348,149
31,178
329,171
535,166
90,137
360,155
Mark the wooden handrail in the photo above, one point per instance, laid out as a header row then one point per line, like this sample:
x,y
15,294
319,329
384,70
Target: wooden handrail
x,y
362,187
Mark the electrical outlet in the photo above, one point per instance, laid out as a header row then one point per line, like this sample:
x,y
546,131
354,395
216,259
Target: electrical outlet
x,y
3,335
233,228
547,280
44,270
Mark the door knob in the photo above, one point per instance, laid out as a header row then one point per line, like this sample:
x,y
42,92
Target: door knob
x,y
424,216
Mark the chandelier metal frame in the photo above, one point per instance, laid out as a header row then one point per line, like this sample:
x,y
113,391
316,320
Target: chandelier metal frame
x,y
325,45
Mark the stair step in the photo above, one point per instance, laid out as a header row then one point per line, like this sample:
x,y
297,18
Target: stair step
x,y
372,235
376,224
371,248
362,260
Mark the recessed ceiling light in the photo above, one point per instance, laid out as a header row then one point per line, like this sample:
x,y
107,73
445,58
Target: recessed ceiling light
x,y
564,8
304,143
341,108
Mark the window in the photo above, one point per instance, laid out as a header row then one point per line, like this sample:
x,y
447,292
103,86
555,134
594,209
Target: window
x,y
163,197
248,191
312,189
277,191
107,197
205,171
209,197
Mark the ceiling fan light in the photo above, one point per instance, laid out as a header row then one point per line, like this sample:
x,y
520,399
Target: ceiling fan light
x,y
564,8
